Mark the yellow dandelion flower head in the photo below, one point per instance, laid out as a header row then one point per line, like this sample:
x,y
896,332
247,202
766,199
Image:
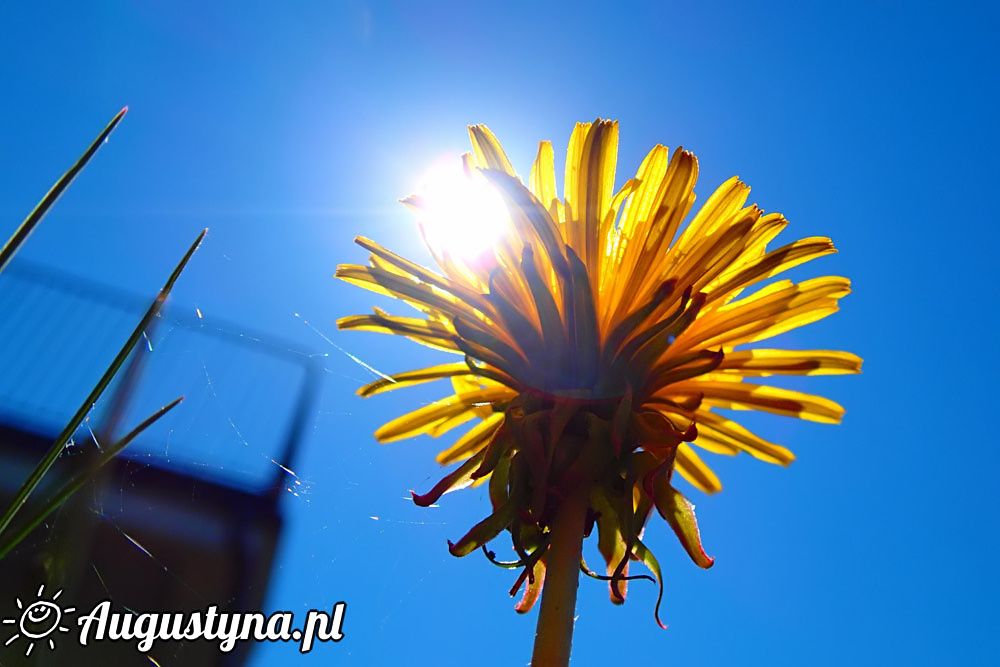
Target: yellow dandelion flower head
x,y
598,336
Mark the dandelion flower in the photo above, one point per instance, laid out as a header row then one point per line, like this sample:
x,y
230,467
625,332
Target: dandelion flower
x,y
597,337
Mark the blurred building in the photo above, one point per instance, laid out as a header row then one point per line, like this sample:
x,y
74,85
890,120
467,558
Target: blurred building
x,y
188,516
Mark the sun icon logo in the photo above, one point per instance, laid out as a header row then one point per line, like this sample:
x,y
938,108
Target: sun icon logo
x,y
38,620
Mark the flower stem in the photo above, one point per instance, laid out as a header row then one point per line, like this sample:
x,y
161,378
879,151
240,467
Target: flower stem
x,y
554,634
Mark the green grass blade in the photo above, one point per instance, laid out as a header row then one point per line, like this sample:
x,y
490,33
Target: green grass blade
x,y
28,226
46,463
11,539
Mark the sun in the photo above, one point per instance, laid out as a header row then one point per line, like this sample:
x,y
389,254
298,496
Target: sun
x,y
38,620
460,213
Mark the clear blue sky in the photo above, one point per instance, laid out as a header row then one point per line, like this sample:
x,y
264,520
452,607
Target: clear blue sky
x,y
290,128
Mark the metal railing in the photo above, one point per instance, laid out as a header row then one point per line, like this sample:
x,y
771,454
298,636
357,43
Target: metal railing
x,y
248,396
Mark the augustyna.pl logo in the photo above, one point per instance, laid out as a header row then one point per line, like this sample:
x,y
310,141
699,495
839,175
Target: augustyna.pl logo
x,y
44,620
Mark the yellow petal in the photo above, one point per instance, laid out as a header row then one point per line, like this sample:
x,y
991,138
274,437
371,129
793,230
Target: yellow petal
x,y
445,425
746,396
609,267
665,199
420,295
421,420
695,471
590,174
420,273
717,429
410,378
766,229
466,383
720,208
637,216
431,334
714,445
488,150
709,257
790,362
757,317
774,263
543,175
471,441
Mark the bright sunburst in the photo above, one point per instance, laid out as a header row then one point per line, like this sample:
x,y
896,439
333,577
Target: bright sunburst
x,y
460,212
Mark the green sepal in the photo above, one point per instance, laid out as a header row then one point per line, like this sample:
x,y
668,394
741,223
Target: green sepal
x,y
679,513
627,526
649,560
485,530
531,436
585,569
498,483
499,443
536,578
587,458
645,466
609,537
560,416
620,423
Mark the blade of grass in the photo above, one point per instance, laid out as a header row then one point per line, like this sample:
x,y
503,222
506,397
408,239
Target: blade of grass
x,y
12,538
24,231
118,400
46,463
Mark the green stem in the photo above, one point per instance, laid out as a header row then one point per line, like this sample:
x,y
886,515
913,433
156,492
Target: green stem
x,y
554,634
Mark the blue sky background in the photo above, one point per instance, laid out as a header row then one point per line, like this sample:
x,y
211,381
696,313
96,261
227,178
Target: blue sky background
x,y
290,128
